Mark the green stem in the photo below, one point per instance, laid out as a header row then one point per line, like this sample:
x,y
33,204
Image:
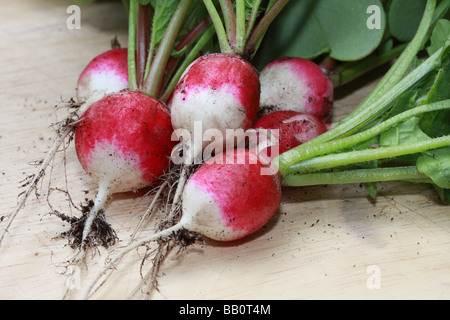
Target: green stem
x,y
218,26
240,27
229,16
193,54
346,142
353,157
132,19
252,18
292,156
153,82
356,176
351,71
260,30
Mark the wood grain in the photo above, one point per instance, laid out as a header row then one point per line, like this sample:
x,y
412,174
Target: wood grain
x,y
319,246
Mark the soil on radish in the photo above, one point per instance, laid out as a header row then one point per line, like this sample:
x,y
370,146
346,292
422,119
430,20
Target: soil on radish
x,y
102,233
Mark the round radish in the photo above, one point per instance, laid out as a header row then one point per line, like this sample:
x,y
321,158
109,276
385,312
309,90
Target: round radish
x,y
229,197
296,84
124,141
294,127
220,91
107,73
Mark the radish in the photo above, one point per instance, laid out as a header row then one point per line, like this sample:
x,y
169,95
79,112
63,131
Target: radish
x,y
123,141
294,127
107,73
221,91
226,199
297,84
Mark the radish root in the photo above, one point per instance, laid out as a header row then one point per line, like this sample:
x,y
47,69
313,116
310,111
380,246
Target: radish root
x,y
64,131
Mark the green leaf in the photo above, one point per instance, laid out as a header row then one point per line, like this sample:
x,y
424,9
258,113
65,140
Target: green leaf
x,y
436,124
436,165
309,28
163,12
444,194
441,34
406,132
404,18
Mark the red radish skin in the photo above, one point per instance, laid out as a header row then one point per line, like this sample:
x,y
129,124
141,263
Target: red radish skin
x,y
295,128
219,90
228,201
296,84
124,141
107,73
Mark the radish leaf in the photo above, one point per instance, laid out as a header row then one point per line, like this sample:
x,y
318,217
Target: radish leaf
x,y
309,28
404,18
436,165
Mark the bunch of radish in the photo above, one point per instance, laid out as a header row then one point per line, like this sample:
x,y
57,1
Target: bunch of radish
x,y
140,104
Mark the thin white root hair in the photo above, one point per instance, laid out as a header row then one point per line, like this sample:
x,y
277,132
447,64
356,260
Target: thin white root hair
x,y
32,185
116,259
150,209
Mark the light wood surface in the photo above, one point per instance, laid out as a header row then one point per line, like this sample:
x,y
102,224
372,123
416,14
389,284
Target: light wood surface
x,y
327,242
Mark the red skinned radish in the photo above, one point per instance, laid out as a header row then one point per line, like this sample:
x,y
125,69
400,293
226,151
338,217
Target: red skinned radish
x,y
107,73
295,128
123,142
296,84
221,91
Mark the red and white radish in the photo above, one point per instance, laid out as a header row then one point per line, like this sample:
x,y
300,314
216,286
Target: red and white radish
x,y
230,197
123,142
296,84
221,91
295,128
107,73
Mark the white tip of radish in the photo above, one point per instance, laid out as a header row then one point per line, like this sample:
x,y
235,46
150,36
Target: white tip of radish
x,y
107,73
228,197
111,167
296,84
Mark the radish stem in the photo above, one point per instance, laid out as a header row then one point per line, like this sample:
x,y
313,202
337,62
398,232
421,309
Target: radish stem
x,y
252,19
132,44
352,157
229,17
355,176
218,26
257,34
153,82
311,151
240,27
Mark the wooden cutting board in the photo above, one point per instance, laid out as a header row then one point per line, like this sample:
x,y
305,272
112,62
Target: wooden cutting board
x,y
327,242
